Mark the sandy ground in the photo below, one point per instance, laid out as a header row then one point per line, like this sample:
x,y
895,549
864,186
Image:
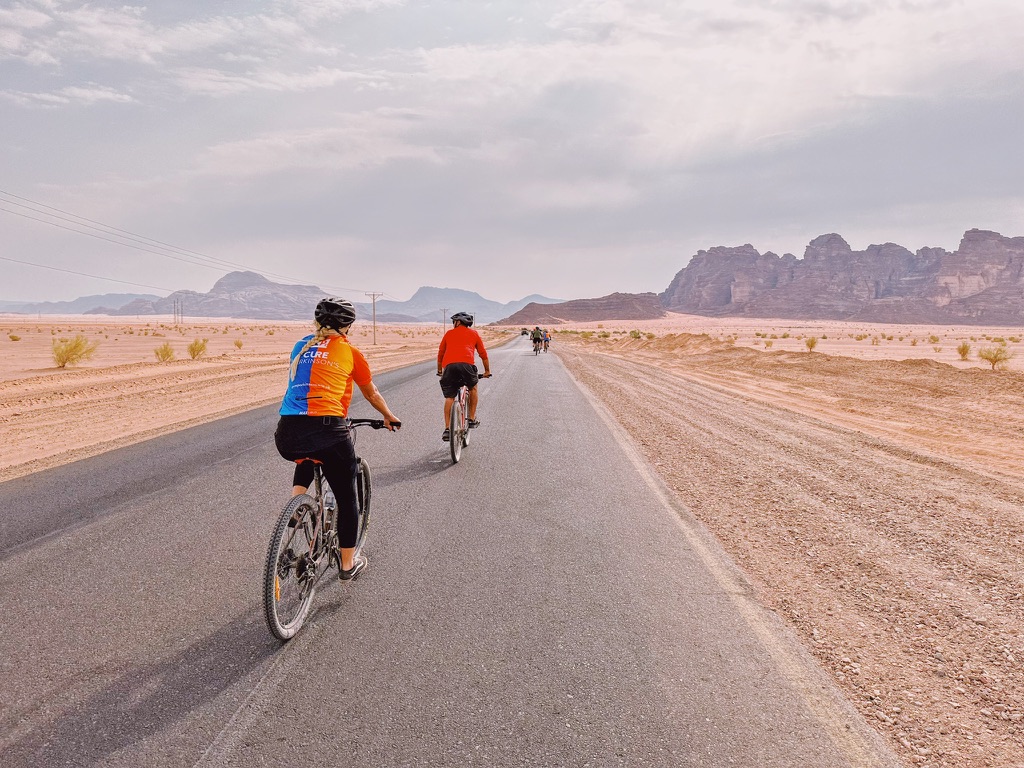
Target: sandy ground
x,y
873,492
876,502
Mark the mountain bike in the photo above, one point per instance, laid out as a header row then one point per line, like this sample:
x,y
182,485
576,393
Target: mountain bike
x,y
304,546
536,346
458,423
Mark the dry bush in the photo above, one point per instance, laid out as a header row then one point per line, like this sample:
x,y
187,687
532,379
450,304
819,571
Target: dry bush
x,y
768,344
14,337
963,349
165,352
811,343
238,343
995,356
197,348
73,351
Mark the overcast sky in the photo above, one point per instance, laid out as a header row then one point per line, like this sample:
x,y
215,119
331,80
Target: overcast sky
x,y
565,147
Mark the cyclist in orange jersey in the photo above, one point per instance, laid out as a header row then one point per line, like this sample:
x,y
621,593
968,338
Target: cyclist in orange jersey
x,y
313,424
456,357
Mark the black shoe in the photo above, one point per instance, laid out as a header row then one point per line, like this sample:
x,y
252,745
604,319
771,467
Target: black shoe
x,y
446,436
473,423
358,566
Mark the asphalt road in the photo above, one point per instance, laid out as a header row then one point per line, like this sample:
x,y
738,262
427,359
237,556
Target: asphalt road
x,y
544,602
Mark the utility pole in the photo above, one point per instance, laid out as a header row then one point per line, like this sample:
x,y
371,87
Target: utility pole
x,y
444,314
373,298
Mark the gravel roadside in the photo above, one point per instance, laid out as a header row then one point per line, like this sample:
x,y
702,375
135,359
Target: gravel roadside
x,y
900,569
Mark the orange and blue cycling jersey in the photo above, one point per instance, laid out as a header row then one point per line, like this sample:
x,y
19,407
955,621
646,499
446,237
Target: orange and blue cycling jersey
x,y
458,346
322,385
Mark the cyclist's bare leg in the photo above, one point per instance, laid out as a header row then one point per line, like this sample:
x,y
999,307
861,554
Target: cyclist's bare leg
x,y
448,401
348,555
472,403
298,490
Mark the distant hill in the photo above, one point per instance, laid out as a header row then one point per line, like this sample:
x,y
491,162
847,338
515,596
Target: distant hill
x,y
615,306
250,295
428,304
80,306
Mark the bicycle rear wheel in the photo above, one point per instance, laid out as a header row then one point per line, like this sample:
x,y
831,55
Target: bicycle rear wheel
x,y
290,574
455,422
363,501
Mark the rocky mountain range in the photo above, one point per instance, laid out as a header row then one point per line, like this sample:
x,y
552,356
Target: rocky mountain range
x,y
250,295
980,283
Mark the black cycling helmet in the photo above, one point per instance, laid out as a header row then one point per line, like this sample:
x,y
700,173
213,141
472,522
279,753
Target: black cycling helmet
x,y
463,317
334,313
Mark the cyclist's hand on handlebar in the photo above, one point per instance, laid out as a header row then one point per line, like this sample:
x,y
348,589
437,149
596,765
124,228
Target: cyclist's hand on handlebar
x,y
393,425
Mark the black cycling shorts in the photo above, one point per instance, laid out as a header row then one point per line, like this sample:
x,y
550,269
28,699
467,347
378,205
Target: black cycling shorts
x,y
457,374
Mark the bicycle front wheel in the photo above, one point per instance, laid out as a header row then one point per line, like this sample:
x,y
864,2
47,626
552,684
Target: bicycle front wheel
x,y
290,574
363,500
455,424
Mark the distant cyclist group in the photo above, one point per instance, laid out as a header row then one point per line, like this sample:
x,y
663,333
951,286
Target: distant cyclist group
x,y
541,339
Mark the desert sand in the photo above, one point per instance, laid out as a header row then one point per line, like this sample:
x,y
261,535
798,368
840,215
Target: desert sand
x,y
872,490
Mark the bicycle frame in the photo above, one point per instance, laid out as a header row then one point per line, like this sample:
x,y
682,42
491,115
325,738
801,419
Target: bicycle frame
x,y
458,424
304,545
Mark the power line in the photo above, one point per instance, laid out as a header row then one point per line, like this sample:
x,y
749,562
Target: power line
x,y
137,242
86,274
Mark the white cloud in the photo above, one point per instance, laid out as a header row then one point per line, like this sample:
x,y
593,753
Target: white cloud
x,y
364,140
77,95
212,82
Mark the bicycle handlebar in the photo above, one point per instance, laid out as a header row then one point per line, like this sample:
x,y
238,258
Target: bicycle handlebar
x,y
374,423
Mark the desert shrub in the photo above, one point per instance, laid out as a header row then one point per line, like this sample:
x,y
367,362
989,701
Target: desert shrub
x,y
823,336
995,356
785,335
913,342
603,335
937,348
998,339
768,344
238,343
963,349
875,341
933,339
14,337
586,334
165,352
72,351
1014,339
197,348
651,336
270,332
774,336
634,334
811,343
